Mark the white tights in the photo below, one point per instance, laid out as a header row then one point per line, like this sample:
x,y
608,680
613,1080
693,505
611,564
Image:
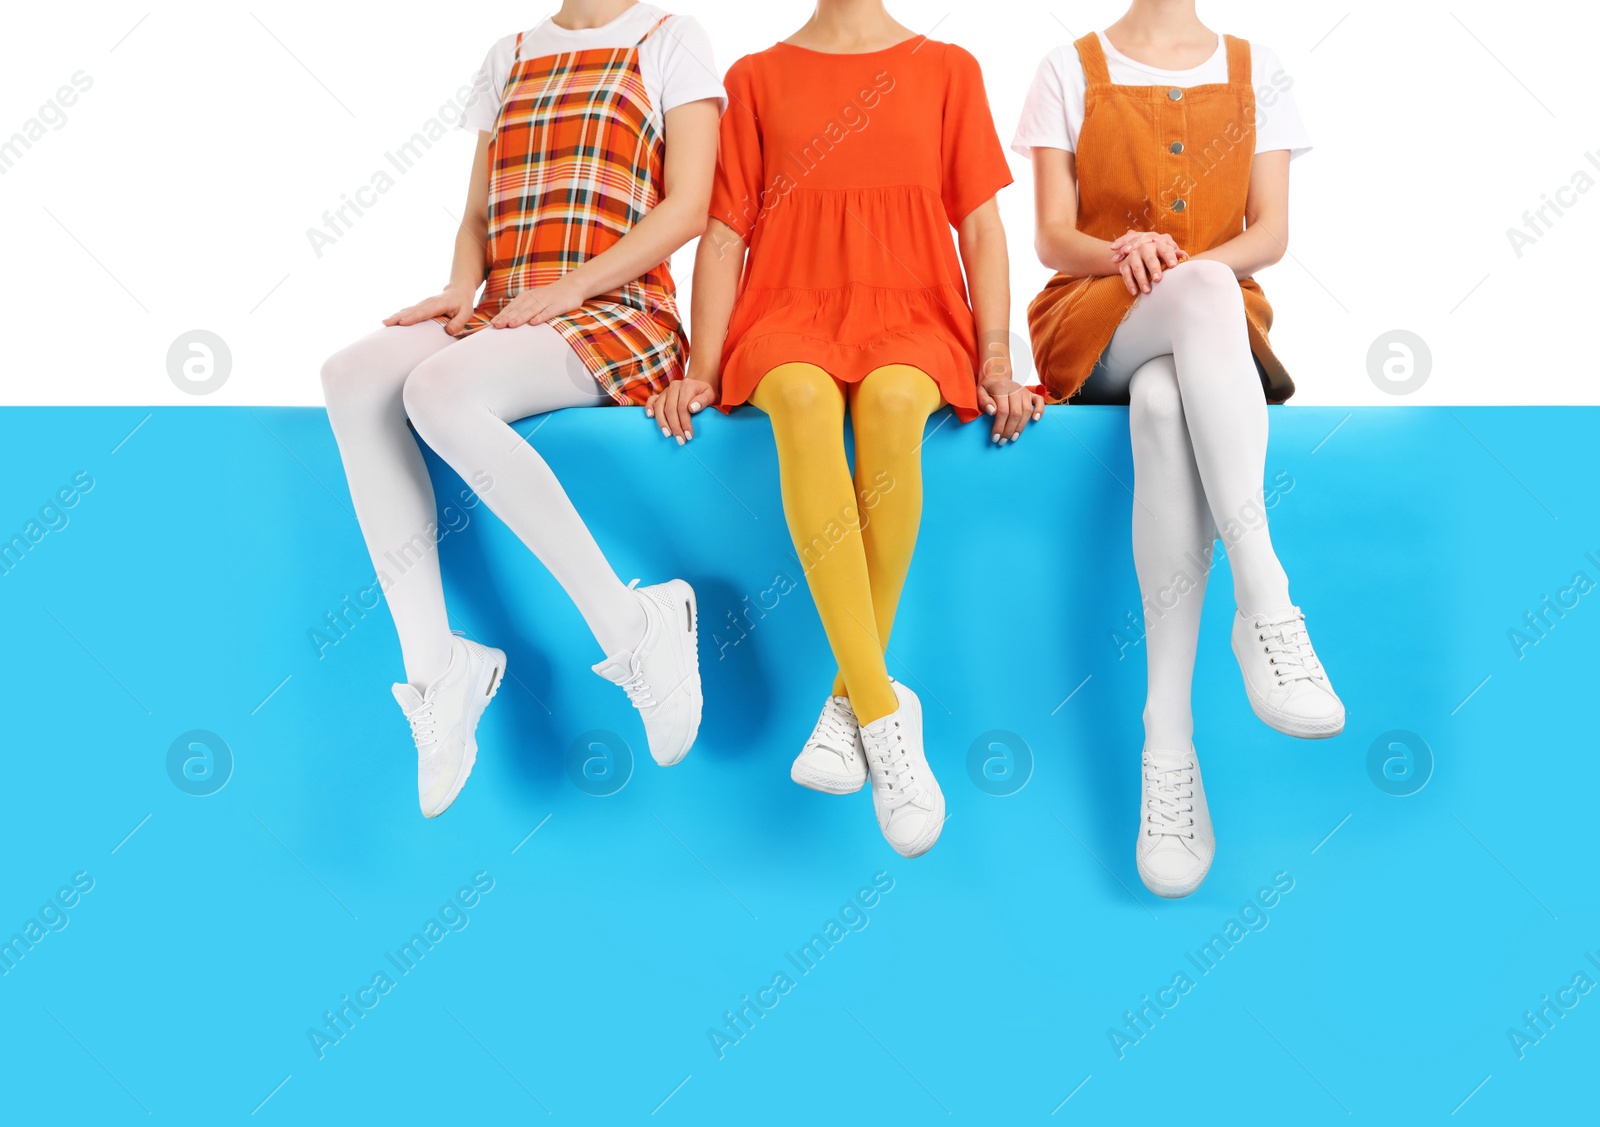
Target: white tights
x,y
461,396
1181,361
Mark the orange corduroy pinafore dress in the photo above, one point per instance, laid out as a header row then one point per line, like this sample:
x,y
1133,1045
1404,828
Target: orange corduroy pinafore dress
x,y
1153,158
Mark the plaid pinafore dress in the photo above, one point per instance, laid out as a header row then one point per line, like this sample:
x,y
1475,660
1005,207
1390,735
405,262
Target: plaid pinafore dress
x,y
577,159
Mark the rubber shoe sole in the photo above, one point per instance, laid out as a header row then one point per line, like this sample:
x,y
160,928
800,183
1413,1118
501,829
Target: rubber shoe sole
x,y
1295,726
825,783
1169,891
683,594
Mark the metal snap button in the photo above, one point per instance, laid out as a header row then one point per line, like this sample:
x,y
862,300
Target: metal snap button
x,y
1175,148
1175,94
1178,205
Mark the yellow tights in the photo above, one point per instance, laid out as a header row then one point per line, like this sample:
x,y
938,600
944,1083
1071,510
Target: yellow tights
x,y
854,536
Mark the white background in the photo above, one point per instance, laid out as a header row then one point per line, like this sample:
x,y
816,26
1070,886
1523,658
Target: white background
x,y
178,193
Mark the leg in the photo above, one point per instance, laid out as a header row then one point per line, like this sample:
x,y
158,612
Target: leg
x,y
807,407
1196,314
462,402
389,484
1173,540
1173,534
889,411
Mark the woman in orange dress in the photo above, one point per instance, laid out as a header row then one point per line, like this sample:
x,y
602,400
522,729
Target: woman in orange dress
x,y
828,281
1161,172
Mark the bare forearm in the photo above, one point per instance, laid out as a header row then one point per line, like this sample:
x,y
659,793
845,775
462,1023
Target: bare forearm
x,y
988,269
678,216
1258,247
1074,253
1057,240
717,265
1265,238
663,229
467,266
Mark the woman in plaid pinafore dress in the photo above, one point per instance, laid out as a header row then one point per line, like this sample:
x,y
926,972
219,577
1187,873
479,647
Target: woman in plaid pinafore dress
x,y
583,124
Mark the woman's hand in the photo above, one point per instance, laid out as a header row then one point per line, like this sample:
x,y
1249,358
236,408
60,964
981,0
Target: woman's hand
x,y
536,306
456,303
674,408
1142,256
1012,405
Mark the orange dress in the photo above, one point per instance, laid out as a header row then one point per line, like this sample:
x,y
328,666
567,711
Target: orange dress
x,y
846,174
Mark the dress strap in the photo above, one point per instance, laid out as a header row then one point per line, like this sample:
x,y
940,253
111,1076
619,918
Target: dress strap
x,y
1093,58
1238,62
517,54
655,28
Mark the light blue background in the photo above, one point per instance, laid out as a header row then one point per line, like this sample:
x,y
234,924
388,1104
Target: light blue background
x,y
182,592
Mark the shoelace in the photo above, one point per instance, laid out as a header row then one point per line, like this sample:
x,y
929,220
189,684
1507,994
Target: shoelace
x,y
894,767
639,692
1169,801
422,721
1289,651
833,730
635,686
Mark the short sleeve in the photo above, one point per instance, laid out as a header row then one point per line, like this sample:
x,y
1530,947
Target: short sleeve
x,y
736,189
687,68
1278,121
1053,111
483,104
972,158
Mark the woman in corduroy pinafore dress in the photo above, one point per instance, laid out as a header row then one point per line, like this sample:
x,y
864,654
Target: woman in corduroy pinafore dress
x,y
1161,158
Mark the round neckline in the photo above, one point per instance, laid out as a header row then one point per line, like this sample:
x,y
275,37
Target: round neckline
x,y
1111,50
853,54
607,26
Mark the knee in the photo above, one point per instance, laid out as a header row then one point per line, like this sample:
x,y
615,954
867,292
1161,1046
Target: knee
x,y
1205,288
1155,403
429,390
352,382
1206,274
894,397
891,408
799,392
363,380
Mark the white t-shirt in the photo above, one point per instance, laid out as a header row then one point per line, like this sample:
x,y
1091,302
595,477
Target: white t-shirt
x,y
1053,112
676,61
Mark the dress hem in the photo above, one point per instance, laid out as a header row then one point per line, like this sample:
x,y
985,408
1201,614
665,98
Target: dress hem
x,y
772,350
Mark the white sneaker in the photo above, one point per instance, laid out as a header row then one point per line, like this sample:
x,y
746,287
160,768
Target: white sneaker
x,y
906,796
1286,684
1176,843
833,760
661,675
444,721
